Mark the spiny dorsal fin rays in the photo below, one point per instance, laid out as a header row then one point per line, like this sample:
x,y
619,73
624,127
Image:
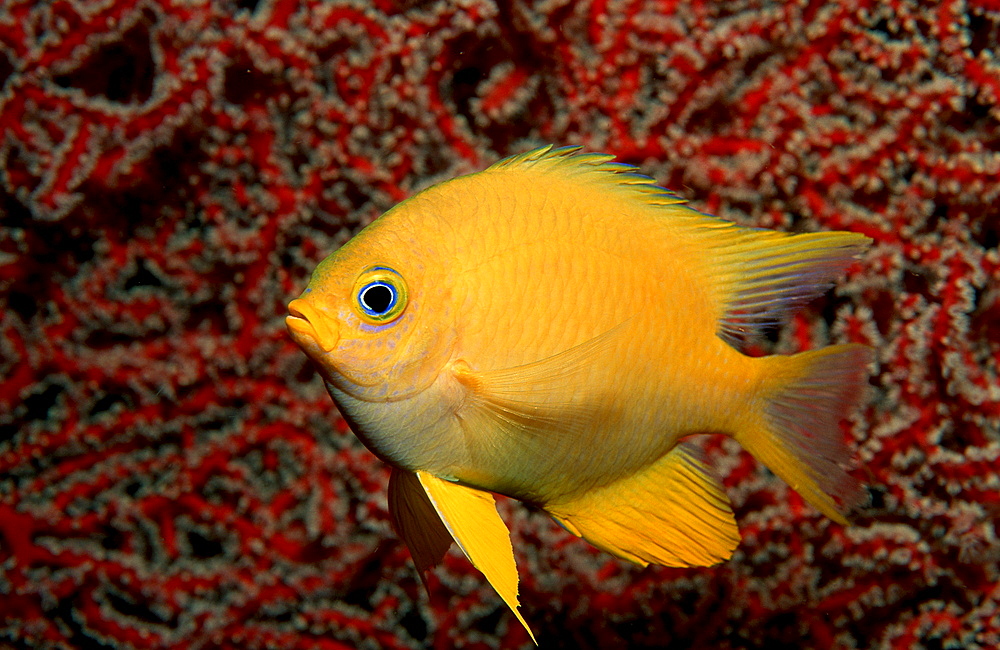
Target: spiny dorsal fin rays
x,y
472,519
546,153
615,175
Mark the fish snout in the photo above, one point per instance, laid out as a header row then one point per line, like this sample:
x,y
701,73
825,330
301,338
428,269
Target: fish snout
x,y
304,321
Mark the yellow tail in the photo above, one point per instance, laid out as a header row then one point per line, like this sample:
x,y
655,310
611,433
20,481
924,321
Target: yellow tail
x,y
798,436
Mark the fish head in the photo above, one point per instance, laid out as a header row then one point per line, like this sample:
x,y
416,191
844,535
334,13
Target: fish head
x,y
373,325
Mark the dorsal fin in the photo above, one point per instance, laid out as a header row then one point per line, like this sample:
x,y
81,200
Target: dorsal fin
x,y
598,166
762,276
759,276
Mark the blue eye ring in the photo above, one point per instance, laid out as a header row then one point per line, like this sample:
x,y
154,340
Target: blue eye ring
x,y
377,298
379,295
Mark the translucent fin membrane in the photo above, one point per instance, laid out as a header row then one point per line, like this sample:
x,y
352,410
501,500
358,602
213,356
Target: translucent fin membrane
x,y
764,276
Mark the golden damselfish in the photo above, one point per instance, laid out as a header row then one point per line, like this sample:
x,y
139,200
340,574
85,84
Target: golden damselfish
x,y
550,329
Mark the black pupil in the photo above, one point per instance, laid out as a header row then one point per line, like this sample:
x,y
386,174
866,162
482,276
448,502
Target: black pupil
x,y
377,298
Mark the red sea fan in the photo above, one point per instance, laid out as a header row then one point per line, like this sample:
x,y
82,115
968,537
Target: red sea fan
x,y
172,473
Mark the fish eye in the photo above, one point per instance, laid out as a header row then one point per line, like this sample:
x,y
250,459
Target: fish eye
x,y
376,298
379,295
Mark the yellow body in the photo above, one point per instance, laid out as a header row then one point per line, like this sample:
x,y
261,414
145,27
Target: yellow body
x,y
562,324
516,273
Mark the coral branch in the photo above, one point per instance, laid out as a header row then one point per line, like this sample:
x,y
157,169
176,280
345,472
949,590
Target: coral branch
x,y
172,473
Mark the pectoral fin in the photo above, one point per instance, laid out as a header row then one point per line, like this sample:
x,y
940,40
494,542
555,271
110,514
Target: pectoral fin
x,y
530,400
472,519
672,513
416,522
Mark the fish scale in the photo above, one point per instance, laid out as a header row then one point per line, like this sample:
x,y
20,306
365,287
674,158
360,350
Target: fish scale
x,y
552,328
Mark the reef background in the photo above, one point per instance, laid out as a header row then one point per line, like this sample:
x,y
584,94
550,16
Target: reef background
x,y
172,473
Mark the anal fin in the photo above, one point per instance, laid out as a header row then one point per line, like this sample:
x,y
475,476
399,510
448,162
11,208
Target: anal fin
x,y
673,513
471,517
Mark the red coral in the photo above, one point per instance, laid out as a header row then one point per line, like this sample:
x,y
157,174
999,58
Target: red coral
x,y
172,473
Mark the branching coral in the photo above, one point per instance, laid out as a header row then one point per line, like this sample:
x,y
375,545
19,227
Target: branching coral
x,y
172,473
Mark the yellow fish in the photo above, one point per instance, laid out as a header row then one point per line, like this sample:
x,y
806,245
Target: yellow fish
x,y
550,329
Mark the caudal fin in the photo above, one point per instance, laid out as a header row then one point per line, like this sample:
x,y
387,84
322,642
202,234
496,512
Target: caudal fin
x,y
798,436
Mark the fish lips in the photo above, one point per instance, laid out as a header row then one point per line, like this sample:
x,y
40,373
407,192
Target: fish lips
x,y
311,328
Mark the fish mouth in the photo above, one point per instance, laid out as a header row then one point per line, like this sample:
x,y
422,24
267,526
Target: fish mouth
x,y
307,325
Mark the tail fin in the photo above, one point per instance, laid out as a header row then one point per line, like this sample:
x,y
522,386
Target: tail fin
x,y
799,438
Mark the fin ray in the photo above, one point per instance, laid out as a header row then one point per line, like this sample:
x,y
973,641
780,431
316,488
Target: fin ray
x,y
799,438
415,520
759,276
673,513
763,276
612,175
529,400
471,517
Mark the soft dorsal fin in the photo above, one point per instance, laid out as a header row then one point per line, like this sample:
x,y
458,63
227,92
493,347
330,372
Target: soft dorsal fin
x,y
761,276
